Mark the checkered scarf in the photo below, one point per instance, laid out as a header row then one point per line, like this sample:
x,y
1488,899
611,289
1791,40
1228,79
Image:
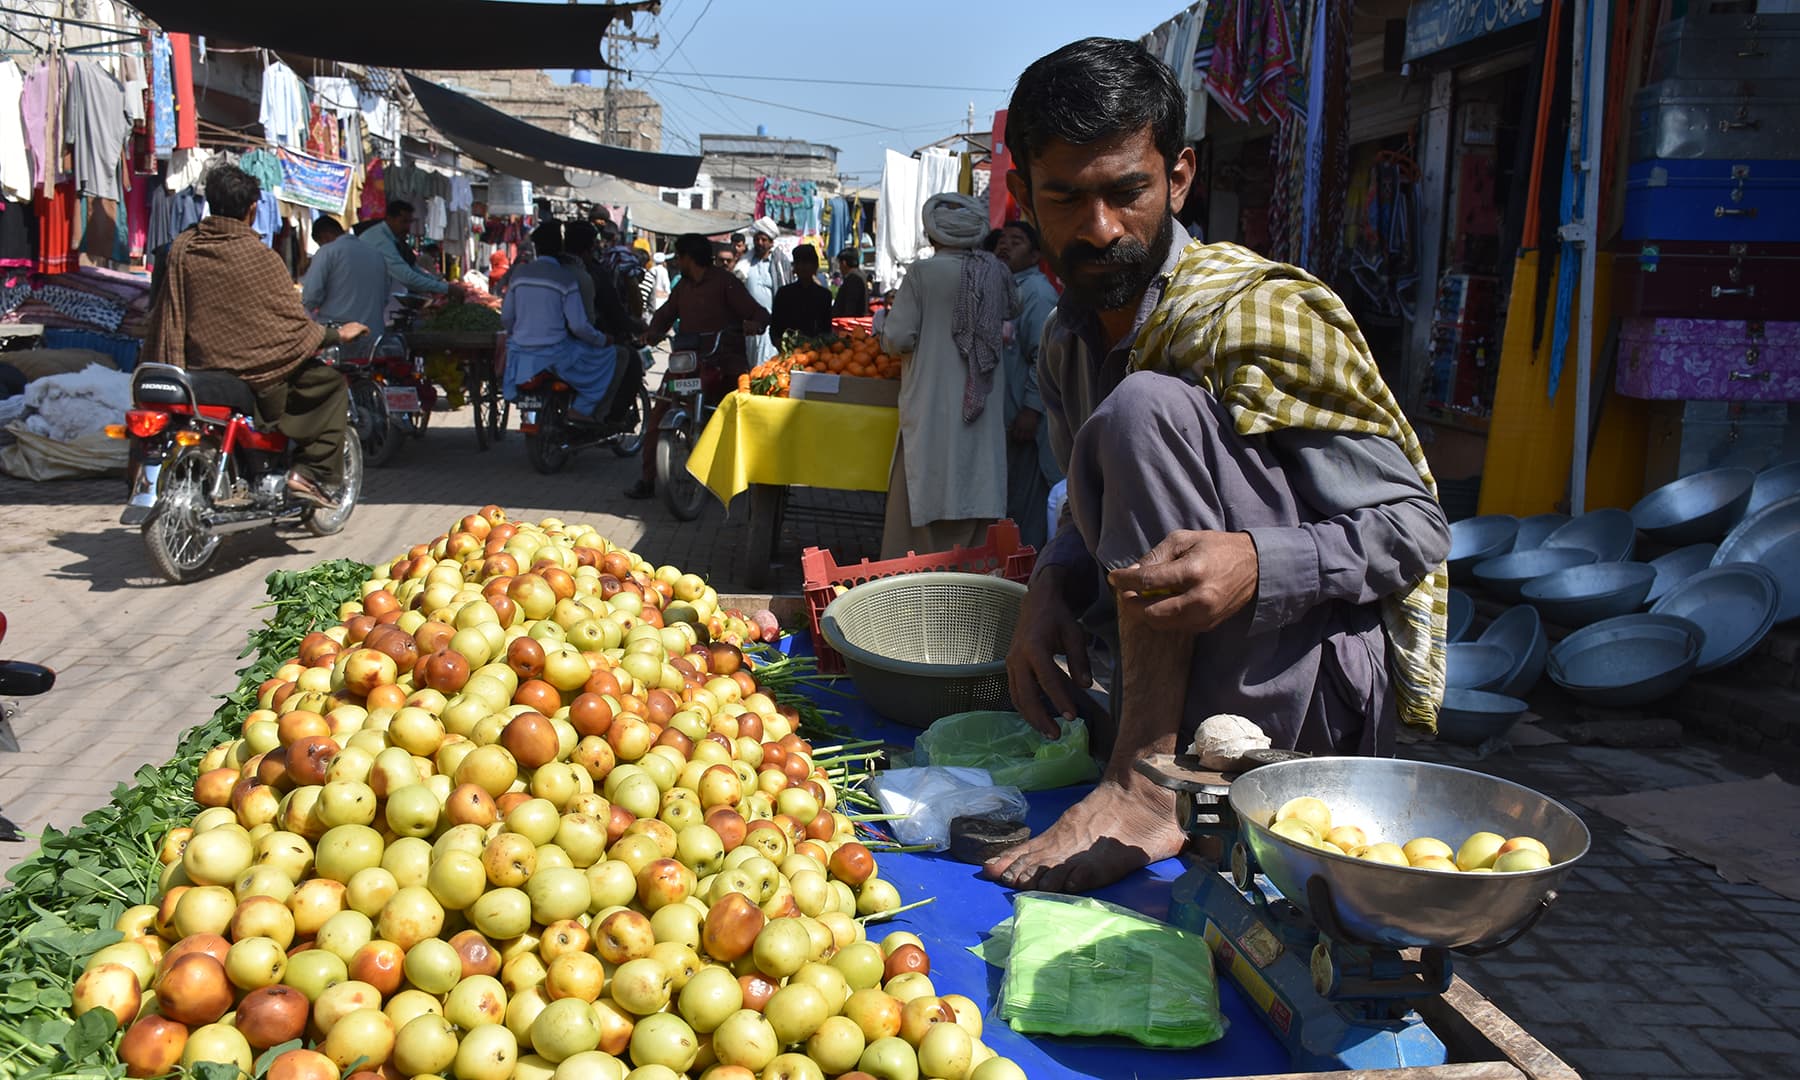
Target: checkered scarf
x,y
1278,349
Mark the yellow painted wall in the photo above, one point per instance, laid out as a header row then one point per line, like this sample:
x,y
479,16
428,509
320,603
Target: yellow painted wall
x,y
1531,435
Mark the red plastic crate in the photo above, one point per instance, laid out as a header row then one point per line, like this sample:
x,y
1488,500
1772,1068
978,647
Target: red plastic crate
x,y
1002,556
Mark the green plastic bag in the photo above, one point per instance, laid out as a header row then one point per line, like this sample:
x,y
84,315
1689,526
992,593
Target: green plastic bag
x,y
1079,966
1011,750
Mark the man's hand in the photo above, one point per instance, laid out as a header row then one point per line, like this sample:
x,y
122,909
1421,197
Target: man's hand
x,y
1045,628
1025,426
350,331
1192,581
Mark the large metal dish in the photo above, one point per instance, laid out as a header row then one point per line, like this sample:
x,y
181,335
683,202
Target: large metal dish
x,y
1521,633
1677,566
1735,605
1695,508
1506,575
1629,660
1774,484
1536,528
1396,800
1478,539
1586,594
1462,616
1610,534
1476,667
1770,537
1472,717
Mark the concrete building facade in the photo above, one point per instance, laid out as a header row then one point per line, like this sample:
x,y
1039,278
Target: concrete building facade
x,y
736,162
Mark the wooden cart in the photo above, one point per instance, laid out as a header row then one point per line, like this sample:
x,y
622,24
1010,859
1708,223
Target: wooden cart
x,y
483,358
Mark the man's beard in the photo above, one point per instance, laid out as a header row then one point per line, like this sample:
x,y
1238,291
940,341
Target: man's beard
x,y
1107,279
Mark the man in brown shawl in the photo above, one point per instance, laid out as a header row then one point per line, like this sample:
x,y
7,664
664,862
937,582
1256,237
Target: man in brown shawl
x,y
226,303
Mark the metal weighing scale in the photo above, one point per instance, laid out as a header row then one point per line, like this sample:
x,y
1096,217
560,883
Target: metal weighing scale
x,y
1324,979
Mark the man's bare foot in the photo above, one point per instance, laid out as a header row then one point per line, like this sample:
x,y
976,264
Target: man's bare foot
x,y
1115,830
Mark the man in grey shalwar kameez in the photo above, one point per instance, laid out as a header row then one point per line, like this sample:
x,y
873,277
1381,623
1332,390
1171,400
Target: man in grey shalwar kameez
x,y
1235,564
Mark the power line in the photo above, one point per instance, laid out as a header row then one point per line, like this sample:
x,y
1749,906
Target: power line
x,y
684,37
778,105
839,82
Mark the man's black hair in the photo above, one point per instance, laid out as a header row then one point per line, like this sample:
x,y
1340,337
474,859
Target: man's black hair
x,y
805,253
231,192
1096,88
851,257
399,208
1029,230
547,238
326,228
609,233
578,238
695,247
599,214
991,242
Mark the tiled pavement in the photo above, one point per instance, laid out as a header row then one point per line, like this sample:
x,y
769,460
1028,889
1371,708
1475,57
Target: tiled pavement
x,y
1648,966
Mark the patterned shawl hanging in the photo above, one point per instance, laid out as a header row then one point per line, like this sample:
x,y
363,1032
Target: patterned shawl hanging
x,y
1278,349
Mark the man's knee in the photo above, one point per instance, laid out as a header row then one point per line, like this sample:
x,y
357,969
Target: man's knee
x,y
1146,412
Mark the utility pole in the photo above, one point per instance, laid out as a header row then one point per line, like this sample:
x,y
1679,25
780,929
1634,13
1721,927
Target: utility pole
x,y
616,40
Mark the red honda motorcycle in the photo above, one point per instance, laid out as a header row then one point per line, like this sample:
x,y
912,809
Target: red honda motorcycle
x,y
202,467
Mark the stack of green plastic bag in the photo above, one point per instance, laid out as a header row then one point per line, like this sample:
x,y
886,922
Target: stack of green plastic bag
x,y
1013,752
1079,966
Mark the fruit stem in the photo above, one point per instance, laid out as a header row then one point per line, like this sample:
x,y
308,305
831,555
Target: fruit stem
x,y
883,916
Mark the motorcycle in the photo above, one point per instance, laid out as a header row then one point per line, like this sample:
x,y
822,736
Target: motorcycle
x,y
390,396
683,418
552,441
20,679
201,468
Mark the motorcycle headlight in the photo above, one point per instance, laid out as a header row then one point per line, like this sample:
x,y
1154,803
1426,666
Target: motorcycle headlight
x,y
683,362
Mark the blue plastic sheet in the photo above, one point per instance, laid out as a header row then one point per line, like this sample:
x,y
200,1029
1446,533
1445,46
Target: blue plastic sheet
x,y
968,905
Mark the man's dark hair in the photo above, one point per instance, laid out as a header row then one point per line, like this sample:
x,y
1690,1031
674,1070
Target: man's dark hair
x,y
326,229
805,253
1027,230
609,233
399,208
547,238
991,241
1096,88
597,214
695,247
850,258
578,238
231,192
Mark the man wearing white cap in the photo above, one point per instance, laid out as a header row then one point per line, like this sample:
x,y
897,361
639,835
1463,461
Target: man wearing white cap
x,y
764,272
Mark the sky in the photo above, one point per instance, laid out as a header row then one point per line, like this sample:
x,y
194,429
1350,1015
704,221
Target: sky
x,y
768,47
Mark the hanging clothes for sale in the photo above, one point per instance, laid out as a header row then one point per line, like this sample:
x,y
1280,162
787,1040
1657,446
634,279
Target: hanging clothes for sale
x,y
162,94
374,193
899,233
171,213
97,122
15,235
264,166
187,168
187,117
837,233
322,134
137,216
55,215
1246,48
284,113
15,162
40,113
434,221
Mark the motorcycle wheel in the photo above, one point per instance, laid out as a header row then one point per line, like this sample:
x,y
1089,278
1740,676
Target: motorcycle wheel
x,y
323,522
548,447
631,443
682,494
180,544
375,429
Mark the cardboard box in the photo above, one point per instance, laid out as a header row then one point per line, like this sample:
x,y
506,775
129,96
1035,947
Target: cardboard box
x,y
844,389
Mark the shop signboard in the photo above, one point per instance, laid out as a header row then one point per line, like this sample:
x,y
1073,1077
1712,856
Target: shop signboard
x,y
1435,25
315,182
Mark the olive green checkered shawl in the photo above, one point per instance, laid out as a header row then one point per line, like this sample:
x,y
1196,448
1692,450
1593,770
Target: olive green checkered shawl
x,y
1278,349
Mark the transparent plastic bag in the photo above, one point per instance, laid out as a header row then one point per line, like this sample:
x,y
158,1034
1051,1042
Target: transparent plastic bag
x,y
1010,749
931,797
1080,966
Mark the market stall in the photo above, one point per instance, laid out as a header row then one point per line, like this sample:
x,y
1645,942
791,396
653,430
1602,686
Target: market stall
x,y
354,967
821,415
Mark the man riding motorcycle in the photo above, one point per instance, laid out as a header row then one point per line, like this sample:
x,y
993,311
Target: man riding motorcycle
x,y
226,303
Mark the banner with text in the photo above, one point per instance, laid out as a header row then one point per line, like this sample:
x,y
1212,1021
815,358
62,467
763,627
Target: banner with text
x,y
315,182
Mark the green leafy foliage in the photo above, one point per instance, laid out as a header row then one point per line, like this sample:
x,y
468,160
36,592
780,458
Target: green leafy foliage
x,y
64,899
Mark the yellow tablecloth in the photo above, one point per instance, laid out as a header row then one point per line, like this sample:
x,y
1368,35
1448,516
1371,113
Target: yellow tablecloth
x,y
768,440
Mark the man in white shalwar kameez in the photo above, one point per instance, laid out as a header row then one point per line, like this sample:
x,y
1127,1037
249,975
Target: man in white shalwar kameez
x,y
948,481
764,273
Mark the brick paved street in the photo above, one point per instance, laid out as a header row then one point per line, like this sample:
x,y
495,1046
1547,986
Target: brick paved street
x,y
1648,966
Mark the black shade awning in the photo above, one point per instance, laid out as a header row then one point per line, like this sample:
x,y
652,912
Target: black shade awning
x,y
469,121
462,35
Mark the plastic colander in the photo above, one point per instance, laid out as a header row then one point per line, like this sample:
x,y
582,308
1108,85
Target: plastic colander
x,y
924,646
